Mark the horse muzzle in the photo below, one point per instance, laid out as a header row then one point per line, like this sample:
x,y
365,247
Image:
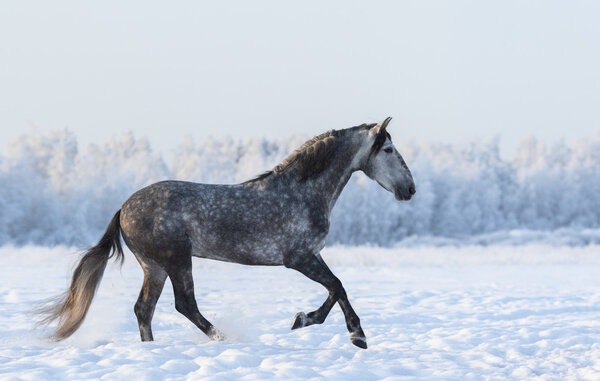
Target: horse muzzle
x,y
404,194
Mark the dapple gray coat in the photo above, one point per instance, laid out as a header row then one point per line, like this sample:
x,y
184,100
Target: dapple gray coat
x,y
279,218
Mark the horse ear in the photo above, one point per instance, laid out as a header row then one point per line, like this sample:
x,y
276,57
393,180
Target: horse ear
x,y
381,127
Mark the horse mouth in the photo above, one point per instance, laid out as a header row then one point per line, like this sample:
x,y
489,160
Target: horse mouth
x,y
401,195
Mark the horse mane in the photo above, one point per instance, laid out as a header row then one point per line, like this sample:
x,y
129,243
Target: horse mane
x,y
312,157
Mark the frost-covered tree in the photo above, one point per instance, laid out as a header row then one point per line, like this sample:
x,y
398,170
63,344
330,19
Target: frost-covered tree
x,y
52,191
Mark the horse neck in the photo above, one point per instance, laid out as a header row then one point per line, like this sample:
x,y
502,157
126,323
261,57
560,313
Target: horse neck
x,y
327,186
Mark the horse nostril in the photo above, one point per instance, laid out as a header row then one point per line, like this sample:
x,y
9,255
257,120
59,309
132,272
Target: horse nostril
x,y
412,190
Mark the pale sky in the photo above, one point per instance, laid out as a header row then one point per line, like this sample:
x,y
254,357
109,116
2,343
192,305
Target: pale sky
x,y
445,70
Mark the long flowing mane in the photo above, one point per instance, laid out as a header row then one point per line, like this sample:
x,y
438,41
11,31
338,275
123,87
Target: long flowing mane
x,y
312,157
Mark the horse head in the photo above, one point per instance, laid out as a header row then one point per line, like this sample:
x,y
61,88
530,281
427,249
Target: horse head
x,y
384,163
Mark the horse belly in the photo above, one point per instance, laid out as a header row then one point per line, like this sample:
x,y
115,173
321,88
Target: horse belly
x,y
237,245
244,254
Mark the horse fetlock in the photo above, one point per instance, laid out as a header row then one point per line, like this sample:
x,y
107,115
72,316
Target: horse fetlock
x,y
300,320
215,335
353,324
146,334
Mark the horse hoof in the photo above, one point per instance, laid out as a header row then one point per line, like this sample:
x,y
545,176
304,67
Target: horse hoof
x,y
299,320
358,340
215,335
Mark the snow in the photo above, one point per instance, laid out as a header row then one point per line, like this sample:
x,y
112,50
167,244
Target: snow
x,y
429,312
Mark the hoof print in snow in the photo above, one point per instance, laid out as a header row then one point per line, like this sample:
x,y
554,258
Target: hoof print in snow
x,y
359,340
299,320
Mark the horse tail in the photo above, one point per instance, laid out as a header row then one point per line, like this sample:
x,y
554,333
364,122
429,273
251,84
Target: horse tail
x,y
71,307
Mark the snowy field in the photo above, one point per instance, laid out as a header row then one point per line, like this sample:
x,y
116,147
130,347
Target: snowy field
x,y
496,312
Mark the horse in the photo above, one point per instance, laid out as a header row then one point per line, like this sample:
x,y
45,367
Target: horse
x,y
280,218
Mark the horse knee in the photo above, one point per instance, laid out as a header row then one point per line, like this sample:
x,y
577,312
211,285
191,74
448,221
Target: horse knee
x,y
337,290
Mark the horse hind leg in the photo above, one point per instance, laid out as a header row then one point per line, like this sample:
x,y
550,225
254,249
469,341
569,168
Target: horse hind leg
x,y
154,280
185,301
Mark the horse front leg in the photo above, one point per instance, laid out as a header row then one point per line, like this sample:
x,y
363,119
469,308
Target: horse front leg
x,y
313,267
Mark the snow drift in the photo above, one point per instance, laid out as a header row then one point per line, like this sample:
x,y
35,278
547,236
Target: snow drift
x,y
52,191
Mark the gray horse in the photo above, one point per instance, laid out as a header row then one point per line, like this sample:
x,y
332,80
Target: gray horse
x,y
279,218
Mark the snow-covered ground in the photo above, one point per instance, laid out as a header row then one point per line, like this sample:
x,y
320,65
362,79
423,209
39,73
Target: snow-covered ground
x,y
451,313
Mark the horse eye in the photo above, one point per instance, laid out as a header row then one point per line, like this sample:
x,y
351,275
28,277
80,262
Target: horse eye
x,y
388,150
